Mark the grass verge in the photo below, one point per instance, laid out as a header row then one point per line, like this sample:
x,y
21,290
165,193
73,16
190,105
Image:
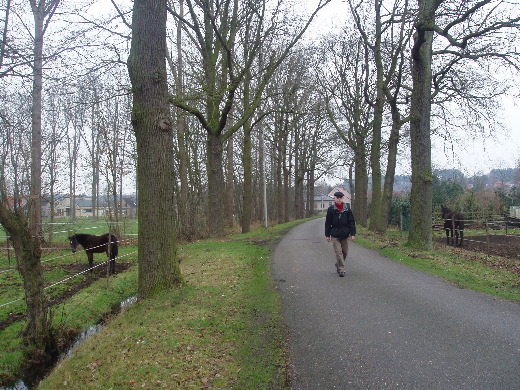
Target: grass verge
x,y
82,310
222,330
474,271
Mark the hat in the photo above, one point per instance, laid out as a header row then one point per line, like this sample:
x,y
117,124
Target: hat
x,y
339,194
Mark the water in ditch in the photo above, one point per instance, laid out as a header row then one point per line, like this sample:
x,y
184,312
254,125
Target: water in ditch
x,y
34,374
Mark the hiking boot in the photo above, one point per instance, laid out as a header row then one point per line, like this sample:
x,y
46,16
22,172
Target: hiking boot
x,y
342,274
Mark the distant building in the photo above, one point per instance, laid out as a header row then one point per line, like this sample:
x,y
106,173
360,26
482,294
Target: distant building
x,y
322,202
85,208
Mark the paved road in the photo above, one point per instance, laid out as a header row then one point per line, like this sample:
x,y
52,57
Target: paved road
x,y
386,326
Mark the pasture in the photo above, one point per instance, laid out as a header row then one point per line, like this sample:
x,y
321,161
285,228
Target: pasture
x,y
494,237
65,274
201,333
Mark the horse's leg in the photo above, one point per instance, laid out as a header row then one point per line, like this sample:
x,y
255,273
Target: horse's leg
x,y
461,236
454,233
456,237
90,257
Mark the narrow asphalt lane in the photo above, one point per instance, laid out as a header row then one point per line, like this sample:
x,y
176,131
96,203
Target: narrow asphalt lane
x,y
387,326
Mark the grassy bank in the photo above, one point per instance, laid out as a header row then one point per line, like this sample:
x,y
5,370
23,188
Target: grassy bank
x,y
475,271
222,330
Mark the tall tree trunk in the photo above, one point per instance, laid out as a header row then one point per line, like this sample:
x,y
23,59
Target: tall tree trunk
x,y
351,187
298,176
28,254
248,179
310,193
185,223
375,151
422,179
247,201
263,179
185,217
360,207
230,185
393,143
286,188
73,144
112,172
27,235
158,262
215,216
280,203
94,156
35,204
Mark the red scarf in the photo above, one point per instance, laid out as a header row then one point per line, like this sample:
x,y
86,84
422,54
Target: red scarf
x,y
339,207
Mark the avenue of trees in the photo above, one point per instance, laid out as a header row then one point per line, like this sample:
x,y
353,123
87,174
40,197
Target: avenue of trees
x,y
229,112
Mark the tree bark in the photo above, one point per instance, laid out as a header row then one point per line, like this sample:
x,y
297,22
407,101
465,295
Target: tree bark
x,y
247,209
185,217
422,179
158,262
263,178
35,203
230,184
388,187
375,151
28,254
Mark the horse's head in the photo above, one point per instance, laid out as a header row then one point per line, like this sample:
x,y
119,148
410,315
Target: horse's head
x,y
444,210
73,243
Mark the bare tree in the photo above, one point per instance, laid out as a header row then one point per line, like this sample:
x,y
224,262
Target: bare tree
x,y
43,11
214,28
52,158
342,83
470,28
74,118
25,230
385,39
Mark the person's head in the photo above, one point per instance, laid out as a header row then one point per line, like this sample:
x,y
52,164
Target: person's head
x,y
338,197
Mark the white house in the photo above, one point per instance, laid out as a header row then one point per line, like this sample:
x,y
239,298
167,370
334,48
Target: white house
x,y
322,202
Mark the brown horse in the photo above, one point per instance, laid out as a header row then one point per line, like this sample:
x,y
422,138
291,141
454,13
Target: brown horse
x,y
453,222
96,244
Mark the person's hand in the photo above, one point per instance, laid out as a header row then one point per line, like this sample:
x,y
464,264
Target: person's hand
x,y
327,238
353,238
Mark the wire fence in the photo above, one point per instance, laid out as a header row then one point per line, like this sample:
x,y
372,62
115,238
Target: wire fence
x,y
8,274
493,235
493,224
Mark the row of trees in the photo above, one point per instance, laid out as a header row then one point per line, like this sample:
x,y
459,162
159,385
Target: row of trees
x,y
234,116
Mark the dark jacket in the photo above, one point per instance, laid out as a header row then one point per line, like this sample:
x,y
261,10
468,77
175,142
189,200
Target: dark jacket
x,y
340,225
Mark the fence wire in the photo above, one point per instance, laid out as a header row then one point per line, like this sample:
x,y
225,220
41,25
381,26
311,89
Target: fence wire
x,y
72,276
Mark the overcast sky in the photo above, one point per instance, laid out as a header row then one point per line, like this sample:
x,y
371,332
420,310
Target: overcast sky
x,y
472,156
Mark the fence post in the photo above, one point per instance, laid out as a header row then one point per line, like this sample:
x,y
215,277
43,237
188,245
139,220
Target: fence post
x,y
109,247
8,251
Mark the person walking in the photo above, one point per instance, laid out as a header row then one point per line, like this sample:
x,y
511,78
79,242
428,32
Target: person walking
x,y
339,225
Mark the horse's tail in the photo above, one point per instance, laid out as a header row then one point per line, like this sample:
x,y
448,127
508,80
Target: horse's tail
x,y
460,221
460,226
